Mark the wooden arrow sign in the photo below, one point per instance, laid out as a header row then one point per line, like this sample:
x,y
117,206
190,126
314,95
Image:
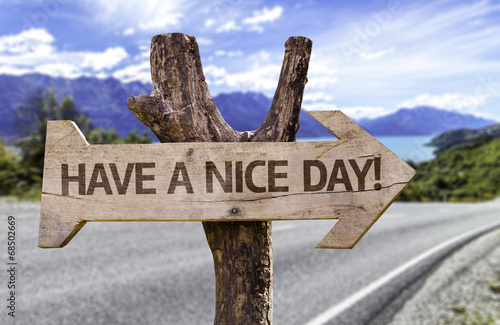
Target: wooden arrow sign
x,y
354,179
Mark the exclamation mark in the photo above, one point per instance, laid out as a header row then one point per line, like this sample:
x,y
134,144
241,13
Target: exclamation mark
x,y
377,186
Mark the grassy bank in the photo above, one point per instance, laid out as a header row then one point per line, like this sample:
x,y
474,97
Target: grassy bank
x,y
468,174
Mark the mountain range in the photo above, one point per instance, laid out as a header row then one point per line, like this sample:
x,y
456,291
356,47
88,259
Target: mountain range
x,y
105,101
422,120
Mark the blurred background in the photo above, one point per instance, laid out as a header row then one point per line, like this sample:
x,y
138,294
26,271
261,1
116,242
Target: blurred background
x,y
423,77
406,71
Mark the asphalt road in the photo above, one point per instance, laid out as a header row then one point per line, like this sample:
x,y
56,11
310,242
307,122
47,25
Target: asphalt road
x,y
162,273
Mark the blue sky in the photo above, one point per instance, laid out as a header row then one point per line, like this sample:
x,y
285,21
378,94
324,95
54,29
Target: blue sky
x,y
369,57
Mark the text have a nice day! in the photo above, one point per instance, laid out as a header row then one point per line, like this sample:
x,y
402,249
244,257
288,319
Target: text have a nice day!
x,y
258,176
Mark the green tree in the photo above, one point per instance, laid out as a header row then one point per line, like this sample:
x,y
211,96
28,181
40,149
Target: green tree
x,y
471,173
101,136
9,171
135,137
32,116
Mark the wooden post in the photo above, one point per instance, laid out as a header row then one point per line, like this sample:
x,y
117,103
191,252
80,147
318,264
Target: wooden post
x,y
181,109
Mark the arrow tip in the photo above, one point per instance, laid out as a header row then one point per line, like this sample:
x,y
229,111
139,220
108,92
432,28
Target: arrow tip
x,y
64,133
347,233
55,232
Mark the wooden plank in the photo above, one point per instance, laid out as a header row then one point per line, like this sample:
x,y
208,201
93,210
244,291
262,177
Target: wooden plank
x,y
353,179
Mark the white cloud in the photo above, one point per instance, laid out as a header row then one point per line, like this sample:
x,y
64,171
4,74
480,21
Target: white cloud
x,y
456,102
152,15
229,53
214,73
321,80
359,112
264,56
104,60
144,53
15,71
256,28
27,50
129,31
33,51
31,40
66,70
264,16
253,23
137,72
227,27
376,55
209,23
319,106
159,23
263,78
257,71
320,101
321,74
204,41
316,97
259,78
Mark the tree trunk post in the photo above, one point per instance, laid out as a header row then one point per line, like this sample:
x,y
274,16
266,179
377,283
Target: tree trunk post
x,y
181,109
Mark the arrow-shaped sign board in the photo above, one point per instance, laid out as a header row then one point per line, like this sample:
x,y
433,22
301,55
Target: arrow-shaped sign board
x,y
354,179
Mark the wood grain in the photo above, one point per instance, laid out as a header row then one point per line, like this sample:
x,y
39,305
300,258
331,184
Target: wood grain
x,y
198,181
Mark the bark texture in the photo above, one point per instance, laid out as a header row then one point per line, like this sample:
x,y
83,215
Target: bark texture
x,y
181,109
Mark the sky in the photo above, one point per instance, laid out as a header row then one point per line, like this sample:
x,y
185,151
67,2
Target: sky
x,y
369,58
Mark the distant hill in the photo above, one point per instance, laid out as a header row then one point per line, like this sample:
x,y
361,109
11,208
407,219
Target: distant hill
x,y
471,173
245,111
461,138
105,101
422,120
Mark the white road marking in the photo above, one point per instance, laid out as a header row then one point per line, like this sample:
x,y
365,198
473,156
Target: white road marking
x,y
337,309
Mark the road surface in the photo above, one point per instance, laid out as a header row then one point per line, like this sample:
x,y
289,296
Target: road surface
x,y
162,273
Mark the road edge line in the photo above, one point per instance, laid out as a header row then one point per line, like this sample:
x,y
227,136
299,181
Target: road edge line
x,y
337,309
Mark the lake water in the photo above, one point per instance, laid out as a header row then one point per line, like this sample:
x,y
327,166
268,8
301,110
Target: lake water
x,y
406,147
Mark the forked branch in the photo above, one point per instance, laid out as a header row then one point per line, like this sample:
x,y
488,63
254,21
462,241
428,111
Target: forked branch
x,y
181,109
